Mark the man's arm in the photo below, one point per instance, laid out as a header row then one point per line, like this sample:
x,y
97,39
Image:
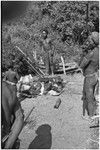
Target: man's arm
x,y
6,75
16,77
86,60
16,127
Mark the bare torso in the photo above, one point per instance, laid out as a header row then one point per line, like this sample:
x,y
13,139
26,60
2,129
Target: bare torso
x,y
46,45
93,65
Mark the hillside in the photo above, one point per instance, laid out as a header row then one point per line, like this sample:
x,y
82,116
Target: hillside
x,y
68,24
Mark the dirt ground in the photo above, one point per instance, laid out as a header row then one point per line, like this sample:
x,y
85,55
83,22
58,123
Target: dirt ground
x,y
68,129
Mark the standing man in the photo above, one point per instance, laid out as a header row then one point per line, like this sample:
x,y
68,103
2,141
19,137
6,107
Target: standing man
x,y
90,65
48,52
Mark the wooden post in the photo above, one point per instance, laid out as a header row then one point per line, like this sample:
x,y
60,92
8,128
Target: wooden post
x,y
63,65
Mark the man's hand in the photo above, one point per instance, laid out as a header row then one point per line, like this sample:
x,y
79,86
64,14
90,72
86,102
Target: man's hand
x,y
86,60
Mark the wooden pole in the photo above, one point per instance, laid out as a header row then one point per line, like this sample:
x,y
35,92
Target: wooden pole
x,y
28,114
28,59
63,65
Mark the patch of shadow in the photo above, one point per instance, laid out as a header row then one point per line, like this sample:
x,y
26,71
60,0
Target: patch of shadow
x,y
43,140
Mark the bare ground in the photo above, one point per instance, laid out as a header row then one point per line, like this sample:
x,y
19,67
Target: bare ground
x,y
68,129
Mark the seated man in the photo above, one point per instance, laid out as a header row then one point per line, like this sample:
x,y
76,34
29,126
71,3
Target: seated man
x,y
11,113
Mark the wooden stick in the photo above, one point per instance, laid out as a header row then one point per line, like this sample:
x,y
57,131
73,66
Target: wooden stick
x,y
28,114
28,59
63,65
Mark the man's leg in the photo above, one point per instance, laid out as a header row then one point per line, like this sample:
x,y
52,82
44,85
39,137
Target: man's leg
x,y
85,107
85,103
90,99
47,64
52,69
89,89
16,127
52,65
96,92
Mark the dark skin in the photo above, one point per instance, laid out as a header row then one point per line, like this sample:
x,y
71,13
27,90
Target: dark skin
x,y
47,47
12,116
46,42
90,57
90,64
11,76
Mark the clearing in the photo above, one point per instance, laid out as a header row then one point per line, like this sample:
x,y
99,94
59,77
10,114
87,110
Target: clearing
x,y
68,129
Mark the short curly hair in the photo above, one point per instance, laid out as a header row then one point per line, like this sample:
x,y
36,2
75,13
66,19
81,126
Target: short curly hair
x,y
46,31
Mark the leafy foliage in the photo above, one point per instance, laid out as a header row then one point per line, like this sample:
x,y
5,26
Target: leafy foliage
x,y
68,24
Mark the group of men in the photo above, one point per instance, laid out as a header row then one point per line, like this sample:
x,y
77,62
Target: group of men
x,y
12,117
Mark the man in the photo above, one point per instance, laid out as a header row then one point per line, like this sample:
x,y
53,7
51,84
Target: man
x,y
90,65
48,52
11,75
11,112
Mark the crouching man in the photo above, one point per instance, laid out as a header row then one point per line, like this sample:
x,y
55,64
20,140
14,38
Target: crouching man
x,y
12,118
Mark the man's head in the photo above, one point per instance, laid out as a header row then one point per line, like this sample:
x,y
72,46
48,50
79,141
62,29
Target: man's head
x,y
84,49
92,41
95,37
44,34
